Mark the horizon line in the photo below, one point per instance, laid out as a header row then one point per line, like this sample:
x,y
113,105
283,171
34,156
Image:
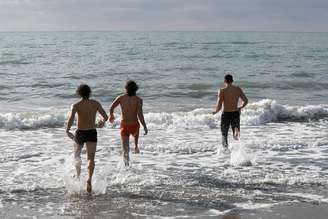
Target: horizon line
x,y
148,30
259,31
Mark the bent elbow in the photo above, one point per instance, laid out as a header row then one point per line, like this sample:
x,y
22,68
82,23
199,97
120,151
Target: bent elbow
x,y
246,102
111,110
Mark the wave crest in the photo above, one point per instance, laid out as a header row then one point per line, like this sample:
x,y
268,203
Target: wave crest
x,y
257,113
31,120
267,110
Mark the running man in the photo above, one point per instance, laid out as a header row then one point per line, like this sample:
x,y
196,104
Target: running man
x,y
229,97
86,132
131,107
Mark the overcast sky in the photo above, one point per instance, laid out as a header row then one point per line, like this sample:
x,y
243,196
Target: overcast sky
x,y
222,15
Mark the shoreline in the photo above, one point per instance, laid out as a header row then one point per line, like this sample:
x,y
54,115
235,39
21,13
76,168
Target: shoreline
x,y
296,210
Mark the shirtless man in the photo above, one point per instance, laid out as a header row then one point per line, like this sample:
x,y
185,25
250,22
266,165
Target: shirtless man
x,y
86,132
131,107
229,97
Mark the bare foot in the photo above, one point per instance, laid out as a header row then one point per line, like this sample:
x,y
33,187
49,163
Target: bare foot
x,y
126,160
136,150
236,134
89,187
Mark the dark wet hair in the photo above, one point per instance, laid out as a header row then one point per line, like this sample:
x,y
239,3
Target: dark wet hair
x,y
228,78
131,88
83,91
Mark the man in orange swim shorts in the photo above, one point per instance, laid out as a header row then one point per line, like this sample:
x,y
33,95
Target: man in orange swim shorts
x,y
132,113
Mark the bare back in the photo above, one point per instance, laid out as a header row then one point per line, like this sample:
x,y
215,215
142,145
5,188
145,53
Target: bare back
x,y
231,95
130,106
86,113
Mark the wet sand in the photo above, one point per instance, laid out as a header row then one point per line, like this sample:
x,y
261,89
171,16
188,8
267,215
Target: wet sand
x,y
118,205
284,211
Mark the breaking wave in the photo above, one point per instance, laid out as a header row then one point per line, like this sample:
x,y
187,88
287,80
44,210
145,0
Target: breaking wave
x,y
31,120
257,113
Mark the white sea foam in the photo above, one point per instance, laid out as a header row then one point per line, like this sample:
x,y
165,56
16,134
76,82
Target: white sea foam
x,y
309,197
239,156
267,110
251,205
77,186
256,113
31,120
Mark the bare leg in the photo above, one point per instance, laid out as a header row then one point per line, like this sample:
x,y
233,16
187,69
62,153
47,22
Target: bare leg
x,y
225,124
91,151
77,159
236,133
225,142
136,149
126,150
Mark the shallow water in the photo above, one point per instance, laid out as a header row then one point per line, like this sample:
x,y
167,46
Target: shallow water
x,y
181,171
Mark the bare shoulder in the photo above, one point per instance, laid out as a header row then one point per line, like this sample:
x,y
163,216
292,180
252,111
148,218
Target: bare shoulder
x,y
76,105
237,88
222,90
94,102
139,99
122,96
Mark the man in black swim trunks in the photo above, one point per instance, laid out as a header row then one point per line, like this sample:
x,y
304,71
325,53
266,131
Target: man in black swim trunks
x,y
229,97
86,132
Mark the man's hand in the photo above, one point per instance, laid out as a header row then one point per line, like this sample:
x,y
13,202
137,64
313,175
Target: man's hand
x,y
215,112
100,124
70,134
111,118
146,131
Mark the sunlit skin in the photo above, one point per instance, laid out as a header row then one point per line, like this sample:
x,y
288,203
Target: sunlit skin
x,y
131,107
228,97
86,110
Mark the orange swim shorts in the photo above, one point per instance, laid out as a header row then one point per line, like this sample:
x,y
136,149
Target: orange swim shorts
x,y
128,129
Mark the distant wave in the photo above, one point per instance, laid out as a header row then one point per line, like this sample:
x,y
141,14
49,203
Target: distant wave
x,y
231,42
31,120
14,62
243,42
267,110
257,113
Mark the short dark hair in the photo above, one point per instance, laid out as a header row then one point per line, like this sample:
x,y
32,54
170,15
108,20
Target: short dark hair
x,y
131,88
228,78
83,91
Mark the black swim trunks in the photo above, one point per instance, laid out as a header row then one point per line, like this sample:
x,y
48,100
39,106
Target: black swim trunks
x,y
229,119
82,136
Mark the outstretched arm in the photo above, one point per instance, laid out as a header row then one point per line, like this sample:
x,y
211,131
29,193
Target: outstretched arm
x,y
219,103
243,98
141,117
70,122
115,103
103,114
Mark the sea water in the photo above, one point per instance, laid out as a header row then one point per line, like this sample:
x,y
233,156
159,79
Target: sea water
x,y
281,156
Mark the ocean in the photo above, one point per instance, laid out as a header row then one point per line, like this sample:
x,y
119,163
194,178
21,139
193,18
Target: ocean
x,y
280,159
